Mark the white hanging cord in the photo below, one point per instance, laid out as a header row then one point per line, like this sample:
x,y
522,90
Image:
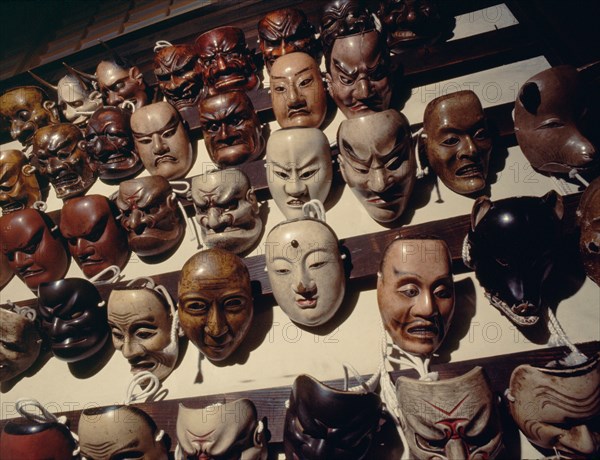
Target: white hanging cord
x,y
149,384
314,209
574,174
184,187
190,222
116,273
26,312
127,105
559,337
421,171
176,331
40,206
362,385
160,44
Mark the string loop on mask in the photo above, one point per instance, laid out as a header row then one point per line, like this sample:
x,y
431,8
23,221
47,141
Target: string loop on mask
x,y
421,171
362,385
160,44
559,337
189,219
314,209
40,206
127,105
116,274
26,312
574,174
149,384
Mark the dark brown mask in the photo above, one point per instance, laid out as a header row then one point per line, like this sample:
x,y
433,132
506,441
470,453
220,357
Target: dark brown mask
x,y
19,188
588,215
341,18
37,441
119,84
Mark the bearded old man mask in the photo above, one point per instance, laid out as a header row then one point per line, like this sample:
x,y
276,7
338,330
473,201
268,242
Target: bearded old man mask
x,y
19,188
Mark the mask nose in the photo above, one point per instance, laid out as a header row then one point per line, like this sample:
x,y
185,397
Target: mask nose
x,y
362,89
216,326
295,187
113,99
377,181
215,221
578,151
135,222
132,349
469,149
221,64
424,306
158,146
55,166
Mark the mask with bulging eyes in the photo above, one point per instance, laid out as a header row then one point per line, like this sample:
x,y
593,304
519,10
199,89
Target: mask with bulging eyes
x,y
19,187
35,249
323,423
457,141
225,61
231,129
58,155
27,108
37,441
96,240
298,168
451,418
306,270
227,210
511,247
150,216
553,123
285,31
119,84
558,408
221,431
215,302
109,144
108,433
162,141
20,344
378,163
73,317
588,216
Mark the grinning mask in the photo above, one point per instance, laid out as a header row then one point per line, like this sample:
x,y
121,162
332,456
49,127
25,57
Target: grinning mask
x,y
285,31
109,145
37,441
73,317
298,168
20,344
415,294
378,163
150,216
588,216
511,247
225,61
96,240
231,129
215,302
119,84
162,141
58,155
306,271
145,329
297,92
454,418
221,431
120,432
457,141
558,409
35,249
76,100
553,123
227,210
19,188
358,72
27,108
322,423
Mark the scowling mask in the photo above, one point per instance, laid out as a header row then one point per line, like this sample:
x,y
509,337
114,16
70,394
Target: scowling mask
x,y
341,18
19,188
285,31
35,250
144,329
511,247
457,141
162,141
358,74
415,294
297,92
378,163
21,343
227,210
298,168
73,317
58,155
588,216
322,423
558,408
215,302
109,144
225,61
120,432
37,441
221,431
177,76
451,418
231,129
27,108
154,224
552,122
96,240
119,84
306,270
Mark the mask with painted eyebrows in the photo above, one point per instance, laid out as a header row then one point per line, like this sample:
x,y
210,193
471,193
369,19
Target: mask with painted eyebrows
x,y
19,187
341,18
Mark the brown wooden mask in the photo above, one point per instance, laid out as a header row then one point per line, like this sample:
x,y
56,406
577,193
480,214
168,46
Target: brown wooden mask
x,y
21,343
225,61
285,31
58,155
588,214
6,274
119,84
35,250
341,18
37,441
215,302
96,240
27,108
231,129
19,188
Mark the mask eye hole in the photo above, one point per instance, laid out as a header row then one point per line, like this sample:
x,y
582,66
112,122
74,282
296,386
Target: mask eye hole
x,y
593,247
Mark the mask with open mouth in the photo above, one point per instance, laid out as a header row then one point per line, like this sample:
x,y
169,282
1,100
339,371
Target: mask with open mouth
x,y
19,187
588,216
21,343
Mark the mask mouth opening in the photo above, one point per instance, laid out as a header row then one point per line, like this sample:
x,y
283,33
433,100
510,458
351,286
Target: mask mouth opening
x,y
512,312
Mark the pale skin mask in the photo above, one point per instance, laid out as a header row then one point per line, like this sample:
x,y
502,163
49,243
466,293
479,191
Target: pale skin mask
x,y
20,344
